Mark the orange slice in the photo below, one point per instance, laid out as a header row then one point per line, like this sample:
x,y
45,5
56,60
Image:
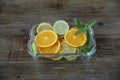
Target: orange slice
x,y
46,38
73,39
54,49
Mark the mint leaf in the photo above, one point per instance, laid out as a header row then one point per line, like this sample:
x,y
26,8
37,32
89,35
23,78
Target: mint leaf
x,y
88,42
78,24
88,45
79,31
82,28
85,27
90,23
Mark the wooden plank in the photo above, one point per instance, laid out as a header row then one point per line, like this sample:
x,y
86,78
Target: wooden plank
x,y
14,30
58,7
16,50
16,35
106,26
36,71
18,16
116,42
104,44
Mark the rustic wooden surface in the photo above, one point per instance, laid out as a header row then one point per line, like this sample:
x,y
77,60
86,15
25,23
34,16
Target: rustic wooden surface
x,y
18,16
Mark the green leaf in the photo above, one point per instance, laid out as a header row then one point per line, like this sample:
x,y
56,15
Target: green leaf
x,y
86,49
88,45
79,31
88,42
78,24
90,23
86,27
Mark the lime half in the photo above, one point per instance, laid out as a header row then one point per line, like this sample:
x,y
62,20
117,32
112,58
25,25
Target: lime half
x,y
44,26
68,49
61,27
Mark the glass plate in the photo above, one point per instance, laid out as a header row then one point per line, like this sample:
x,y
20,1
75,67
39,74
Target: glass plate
x,y
81,56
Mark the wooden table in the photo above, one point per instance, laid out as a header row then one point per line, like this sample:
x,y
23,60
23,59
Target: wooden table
x,y
18,16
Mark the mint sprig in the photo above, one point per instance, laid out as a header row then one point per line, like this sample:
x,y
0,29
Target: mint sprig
x,y
84,28
81,27
88,45
78,23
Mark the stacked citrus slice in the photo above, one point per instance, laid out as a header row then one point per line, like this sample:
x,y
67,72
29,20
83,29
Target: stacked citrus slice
x,y
57,39
73,39
44,26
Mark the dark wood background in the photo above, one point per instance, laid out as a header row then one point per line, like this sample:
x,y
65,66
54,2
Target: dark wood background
x,y
18,16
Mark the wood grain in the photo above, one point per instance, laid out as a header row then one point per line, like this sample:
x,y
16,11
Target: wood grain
x,y
36,71
17,17
58,7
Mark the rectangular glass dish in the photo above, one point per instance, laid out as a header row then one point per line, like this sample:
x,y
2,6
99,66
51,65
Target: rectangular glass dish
x,y
81,55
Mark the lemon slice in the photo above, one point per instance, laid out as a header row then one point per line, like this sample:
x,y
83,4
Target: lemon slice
x,y
44,26
61,27
33,47
68,49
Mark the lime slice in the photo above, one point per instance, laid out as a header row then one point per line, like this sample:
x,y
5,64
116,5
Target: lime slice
x,y
61,27
68,49
33,47
71,58
44,26
65,48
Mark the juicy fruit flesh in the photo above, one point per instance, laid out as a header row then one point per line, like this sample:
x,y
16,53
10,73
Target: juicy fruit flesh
x,y
73,39
61,27
48,42
44,26
46,38
50,50
65,48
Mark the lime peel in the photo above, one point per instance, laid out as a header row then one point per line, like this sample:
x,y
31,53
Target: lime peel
x,y
61,27
33,47
67,49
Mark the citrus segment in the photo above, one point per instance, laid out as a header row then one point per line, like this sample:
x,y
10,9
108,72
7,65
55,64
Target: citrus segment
x,y
73,39
44,26
50,50
61,27
46,38
65,48
71,57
